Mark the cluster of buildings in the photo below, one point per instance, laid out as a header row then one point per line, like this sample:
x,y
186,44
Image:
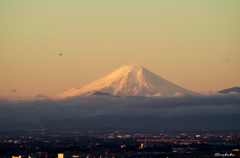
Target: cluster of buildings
x,y
116,144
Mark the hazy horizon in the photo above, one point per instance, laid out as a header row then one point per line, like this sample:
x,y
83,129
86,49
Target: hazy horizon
x,y
214,112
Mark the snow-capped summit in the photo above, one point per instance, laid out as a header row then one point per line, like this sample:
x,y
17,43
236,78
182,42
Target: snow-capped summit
x,y
128,80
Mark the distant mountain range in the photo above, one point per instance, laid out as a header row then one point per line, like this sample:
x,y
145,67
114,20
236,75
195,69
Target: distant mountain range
x,y
130,80
234,89
101,94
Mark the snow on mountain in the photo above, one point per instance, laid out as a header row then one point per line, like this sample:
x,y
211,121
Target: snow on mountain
x,y
128,80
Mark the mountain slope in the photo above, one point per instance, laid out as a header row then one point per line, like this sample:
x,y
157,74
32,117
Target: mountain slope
x,y
128,80
233,89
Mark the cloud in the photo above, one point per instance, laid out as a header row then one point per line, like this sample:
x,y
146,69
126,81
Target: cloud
x,y
227,59
207,93
14,90
41,96
124,111
157,95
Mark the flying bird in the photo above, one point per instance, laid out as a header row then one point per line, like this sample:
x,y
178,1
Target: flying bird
x,y
60,54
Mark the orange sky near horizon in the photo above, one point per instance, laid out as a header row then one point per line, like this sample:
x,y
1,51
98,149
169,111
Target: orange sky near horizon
x,y
194,44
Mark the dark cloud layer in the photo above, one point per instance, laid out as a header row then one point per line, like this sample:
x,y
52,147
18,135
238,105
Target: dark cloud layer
x,y
217,111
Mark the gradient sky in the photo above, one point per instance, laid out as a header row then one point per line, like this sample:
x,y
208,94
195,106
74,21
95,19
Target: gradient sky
x,y
194,44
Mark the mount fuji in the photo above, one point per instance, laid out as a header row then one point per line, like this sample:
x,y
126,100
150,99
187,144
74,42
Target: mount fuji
x,y
130,80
